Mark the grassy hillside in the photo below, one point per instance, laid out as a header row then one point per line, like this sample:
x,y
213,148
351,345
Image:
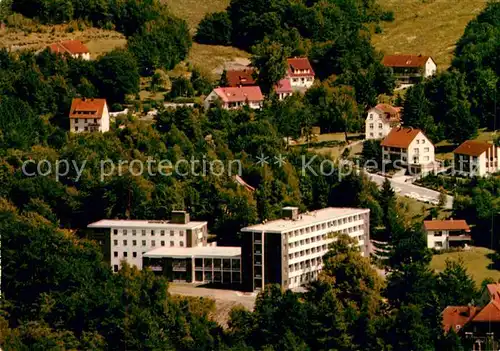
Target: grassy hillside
x,y
429,27
194,10
208,57
476,261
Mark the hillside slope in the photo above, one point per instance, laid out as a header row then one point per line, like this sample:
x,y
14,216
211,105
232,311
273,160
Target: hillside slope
x,y
429,27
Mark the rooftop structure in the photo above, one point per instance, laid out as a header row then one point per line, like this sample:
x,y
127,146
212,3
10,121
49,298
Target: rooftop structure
x,y
201,252
304,220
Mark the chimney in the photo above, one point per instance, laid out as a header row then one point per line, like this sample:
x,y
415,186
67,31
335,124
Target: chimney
x,y
290,212
180,217
84,98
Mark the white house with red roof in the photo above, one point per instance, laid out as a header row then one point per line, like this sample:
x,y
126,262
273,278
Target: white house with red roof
x,y
75,48
410,69
475,158
380,120
300,73
235,97
283,89
443,234
410,148
88,115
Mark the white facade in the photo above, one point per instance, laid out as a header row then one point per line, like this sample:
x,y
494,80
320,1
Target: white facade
x,y
440,239
229,105
478,166
304,242
302,82
377,126
84,124
420,152
430,68
130,239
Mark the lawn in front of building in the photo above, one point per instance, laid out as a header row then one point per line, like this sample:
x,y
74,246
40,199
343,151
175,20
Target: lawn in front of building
x,y
476,261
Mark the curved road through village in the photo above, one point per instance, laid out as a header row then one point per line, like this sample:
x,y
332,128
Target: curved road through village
x,y
410,190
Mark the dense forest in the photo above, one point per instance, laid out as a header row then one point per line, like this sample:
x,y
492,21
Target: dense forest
x,y
57,292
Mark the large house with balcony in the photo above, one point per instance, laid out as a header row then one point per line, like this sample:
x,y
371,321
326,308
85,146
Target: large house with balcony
x,y
443,234
88,115
408,148
300,73
410,69
380,120
289,251
476,159
235,97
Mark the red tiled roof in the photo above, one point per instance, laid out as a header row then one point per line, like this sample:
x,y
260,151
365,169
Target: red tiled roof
x,y
405,60
72,47
494,291
87,108
239,94
400,137
235,78
457,316
449,224
283,86
489,313
299,63
473,148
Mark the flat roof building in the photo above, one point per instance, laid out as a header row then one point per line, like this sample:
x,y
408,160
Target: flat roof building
x,y
128,240
207,264
289,251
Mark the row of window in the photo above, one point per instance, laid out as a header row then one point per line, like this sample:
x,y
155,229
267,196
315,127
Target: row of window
x,y
306,252
295,80
217,263
152,232
306,241
380,125
87,120
305,264
317,227
153,243
125,254
415,159
323,237
86,129
303,278
379,135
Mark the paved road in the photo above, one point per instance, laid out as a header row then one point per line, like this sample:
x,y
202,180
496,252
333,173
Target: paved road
x,y
414,191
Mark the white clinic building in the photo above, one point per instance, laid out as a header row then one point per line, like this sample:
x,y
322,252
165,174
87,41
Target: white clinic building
x,y
129,240
289,251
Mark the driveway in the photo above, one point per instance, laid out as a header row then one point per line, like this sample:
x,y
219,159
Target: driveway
x,y
414,191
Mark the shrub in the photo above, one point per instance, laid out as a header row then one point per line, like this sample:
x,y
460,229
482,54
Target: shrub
x,y
116,107
160,44
387,16
215,29
181,87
